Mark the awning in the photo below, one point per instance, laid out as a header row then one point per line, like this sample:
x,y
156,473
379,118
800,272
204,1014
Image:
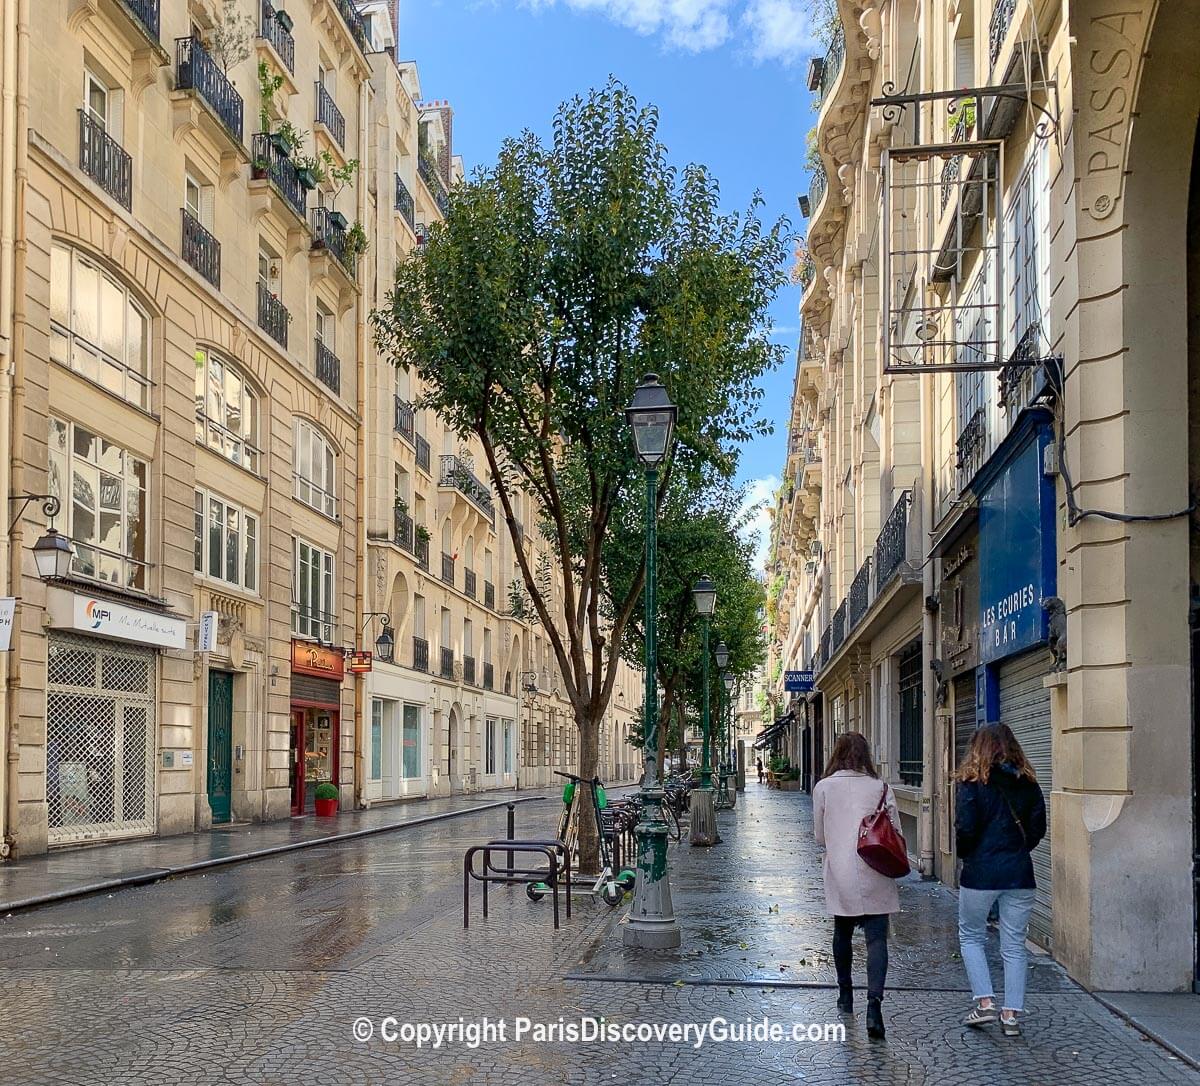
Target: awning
x,y
772,731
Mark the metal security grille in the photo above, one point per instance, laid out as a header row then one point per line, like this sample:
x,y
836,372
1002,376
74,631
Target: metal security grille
x,y
912,738
99,739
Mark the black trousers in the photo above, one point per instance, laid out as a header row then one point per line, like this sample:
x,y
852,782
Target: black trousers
x,y
875,929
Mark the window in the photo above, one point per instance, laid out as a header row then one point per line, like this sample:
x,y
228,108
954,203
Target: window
x,y
1027,231
95,99
315,467
198,200
226,546
912,739
411,740
376,761
489,746
312,607
269,271
96,328
103,493
326,328
508,747
226,411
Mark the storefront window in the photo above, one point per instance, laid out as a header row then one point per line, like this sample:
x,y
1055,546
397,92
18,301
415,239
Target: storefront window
x,y
376,739
103,493
96,328
318,750
226,411
489,746
412,741
508,746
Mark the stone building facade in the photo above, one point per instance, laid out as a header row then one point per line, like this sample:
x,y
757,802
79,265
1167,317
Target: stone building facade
x,y
996,383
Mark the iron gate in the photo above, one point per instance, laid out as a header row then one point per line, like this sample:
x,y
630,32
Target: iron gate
x,y
99,739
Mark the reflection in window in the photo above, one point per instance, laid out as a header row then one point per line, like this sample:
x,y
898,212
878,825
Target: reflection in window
x,y
226,543
315,467
226,411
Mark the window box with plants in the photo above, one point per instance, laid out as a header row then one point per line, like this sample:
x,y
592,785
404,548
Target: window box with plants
x,y
325,799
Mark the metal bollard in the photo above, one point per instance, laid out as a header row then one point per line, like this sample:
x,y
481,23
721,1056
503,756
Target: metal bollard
x,y
512,831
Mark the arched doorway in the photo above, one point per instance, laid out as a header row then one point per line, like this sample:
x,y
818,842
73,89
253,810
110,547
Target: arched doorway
x,y
453,746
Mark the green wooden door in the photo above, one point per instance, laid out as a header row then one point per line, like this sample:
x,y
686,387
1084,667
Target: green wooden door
x,y
220,743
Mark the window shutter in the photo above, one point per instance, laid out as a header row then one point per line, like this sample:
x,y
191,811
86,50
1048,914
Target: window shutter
x,y
964,62
116,115
207,206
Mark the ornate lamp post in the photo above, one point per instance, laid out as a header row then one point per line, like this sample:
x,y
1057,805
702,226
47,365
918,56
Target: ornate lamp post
x,y
651,922
704,822
721,655
731,760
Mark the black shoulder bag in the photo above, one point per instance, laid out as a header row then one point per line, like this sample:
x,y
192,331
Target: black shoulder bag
x,y
1003,790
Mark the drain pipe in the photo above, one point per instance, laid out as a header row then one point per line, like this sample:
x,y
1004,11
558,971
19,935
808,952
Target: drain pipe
x,y
924,528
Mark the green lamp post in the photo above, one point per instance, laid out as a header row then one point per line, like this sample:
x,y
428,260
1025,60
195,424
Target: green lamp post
x,y
651,923
704,822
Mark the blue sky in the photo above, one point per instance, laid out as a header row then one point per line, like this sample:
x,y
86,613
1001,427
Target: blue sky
x,y
727,76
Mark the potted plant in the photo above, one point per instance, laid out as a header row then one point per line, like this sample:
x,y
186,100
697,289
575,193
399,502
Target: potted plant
x,y
326,799
339,220
308,171
356,240
423,533
284,19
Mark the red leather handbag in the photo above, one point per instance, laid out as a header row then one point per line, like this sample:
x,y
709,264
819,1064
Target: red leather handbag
x,y
881,845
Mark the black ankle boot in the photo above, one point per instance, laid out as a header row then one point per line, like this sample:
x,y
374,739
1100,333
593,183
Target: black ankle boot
x,y
875,1028
845,1003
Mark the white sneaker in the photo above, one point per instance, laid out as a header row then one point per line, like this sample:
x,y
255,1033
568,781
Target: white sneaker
x,y
981,1016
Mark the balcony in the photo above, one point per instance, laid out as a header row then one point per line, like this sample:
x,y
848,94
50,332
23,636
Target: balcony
x,y
456,474
422,551
832,64
273,317
105,161
970,448
860,593
1001,19
404,203
952,169
200,249
891,547
489,595
272,30
816,188
469,670
489,676
422,453
470,583
330,116
354,23
271,161
448,568
328,368
406,417
420,654
196,71
146,13
447,664
837,628
329,233
405,531
433,182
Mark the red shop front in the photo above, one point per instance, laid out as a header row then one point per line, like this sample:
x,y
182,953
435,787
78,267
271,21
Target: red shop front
x,y
316,699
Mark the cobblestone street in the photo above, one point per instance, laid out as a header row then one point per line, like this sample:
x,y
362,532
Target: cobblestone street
x,y
256,972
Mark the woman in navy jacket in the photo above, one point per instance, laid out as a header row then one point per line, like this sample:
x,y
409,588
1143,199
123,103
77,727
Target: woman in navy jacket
x,y
1000,816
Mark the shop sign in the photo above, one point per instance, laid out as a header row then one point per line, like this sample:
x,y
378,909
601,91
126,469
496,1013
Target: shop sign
x,y
8,607
360,662
799,682
311,658
207,638
106,618
1016,555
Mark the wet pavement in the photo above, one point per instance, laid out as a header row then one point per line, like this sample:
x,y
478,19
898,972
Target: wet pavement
x,y
258,972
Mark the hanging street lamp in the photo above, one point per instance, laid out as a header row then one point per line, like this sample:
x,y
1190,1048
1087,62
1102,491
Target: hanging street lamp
x,y
651,923
704,821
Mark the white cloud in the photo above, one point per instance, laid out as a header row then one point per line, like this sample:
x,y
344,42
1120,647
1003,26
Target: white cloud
x,y
759,495
778,30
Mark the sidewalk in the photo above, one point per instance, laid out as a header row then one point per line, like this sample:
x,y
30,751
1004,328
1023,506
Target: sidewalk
x,y
61,874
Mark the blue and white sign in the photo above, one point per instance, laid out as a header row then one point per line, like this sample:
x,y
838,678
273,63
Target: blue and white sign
x,y
798,682
1016,553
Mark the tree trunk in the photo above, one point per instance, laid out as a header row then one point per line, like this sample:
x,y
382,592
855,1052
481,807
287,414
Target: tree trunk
x,y
589,832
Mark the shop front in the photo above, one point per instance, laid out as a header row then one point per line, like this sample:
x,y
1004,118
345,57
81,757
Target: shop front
x,y
316,692
397,739
1017,594
102,716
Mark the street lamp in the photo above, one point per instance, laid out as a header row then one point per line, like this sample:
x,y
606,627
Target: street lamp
x,y
651,924
704,821
385,644
52,554
731,761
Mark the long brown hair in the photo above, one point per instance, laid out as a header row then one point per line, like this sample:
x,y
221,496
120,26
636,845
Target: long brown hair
x,y
851,752
992,746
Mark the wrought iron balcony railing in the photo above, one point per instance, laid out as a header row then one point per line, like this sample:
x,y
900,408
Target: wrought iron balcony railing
x,y
423,457
433,182
833,62
200,249
354,21
196,70
273,317
489,676
817,186
272,162
860,593
837,628
952,168
420,654
422,552
470,583
456,474
147,13
330,116
469,670
329,234
270,28
105,161
891,548
447,664
448,568
998,25
489,595
405,534
328,367
404,202
406,418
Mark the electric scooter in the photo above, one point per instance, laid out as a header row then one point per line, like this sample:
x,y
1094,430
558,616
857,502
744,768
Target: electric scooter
x,y
609,887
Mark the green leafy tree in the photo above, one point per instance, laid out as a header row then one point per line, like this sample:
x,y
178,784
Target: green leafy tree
x,y
559,277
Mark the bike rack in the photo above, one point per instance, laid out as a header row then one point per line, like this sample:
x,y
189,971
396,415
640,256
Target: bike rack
x,y
558,860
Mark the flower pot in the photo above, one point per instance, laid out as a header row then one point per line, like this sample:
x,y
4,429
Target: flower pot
x,y
307,178
326,808
339,220
284,20
280,143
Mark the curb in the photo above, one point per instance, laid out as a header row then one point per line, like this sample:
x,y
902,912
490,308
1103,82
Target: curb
x,y
1146,1031
157,874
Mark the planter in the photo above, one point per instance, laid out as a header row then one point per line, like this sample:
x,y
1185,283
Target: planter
x,y
307,178
284,20
791,786
339,220
326,808
280,142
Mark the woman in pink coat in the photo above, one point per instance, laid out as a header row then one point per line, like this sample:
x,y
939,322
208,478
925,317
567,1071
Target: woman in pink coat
x,y
855,894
